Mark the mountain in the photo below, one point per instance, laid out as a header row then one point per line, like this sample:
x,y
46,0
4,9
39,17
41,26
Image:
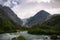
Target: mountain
x,y
11,14
53,20
49,27
9,22
38,18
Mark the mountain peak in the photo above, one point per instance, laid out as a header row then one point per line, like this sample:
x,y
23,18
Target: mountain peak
x,y
9,14
43,12
40,17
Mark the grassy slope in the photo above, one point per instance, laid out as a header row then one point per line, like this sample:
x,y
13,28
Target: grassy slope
x,y
50,27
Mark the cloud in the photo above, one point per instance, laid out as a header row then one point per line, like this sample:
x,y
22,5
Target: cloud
x,y
56,1
28,8
2,1
47,3
10,3
38,1
53,10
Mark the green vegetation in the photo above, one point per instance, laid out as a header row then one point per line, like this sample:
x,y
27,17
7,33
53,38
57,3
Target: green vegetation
x,y
49,27
7,25
43,31
19,38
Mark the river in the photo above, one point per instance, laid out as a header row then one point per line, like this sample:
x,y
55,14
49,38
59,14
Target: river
x,y
9,36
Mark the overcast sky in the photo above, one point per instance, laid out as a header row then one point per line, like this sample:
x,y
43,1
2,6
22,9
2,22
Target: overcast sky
x,y
28,8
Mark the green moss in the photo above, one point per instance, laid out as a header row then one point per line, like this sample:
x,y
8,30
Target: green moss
x,y
19,38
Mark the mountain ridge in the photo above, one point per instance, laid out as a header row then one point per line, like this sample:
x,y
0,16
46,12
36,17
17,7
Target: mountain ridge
x,y
39,17
11,14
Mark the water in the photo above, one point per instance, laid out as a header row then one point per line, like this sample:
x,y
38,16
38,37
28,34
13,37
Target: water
x,y
9,36
34,37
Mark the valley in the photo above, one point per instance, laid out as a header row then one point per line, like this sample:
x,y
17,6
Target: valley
x,y
40,25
